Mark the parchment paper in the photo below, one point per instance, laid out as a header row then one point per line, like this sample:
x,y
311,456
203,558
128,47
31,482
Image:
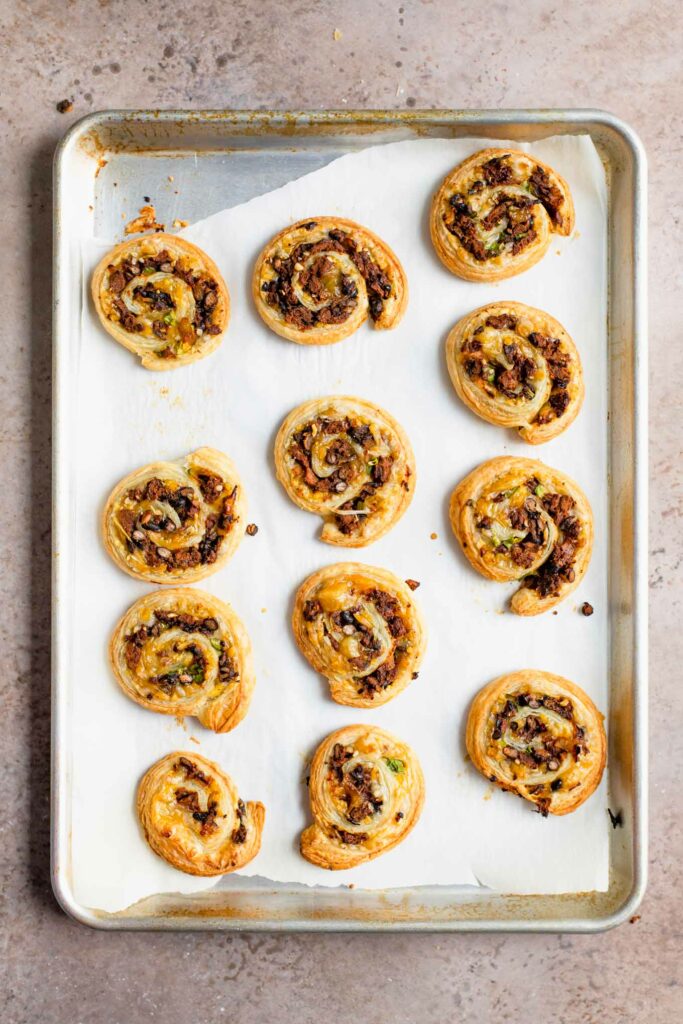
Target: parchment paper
x,y
235,400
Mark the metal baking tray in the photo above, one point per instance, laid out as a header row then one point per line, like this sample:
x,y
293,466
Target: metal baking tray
x,y
234,155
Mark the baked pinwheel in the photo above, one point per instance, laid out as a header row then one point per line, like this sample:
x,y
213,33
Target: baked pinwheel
x,y
495,213
359,627
366,790
518,519
176,521
516,366
184,652
318,280
351,463
192,816
163,299
539,736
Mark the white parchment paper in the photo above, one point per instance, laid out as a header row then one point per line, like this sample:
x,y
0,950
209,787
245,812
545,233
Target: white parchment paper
x,y
235,400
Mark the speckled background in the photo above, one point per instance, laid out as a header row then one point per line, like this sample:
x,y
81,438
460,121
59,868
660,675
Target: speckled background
x,y
622,55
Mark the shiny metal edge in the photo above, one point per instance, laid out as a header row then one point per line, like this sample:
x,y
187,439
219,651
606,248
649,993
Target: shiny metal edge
x,y
577,120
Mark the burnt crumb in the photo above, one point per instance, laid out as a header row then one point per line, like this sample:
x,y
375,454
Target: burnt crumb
x,y
413,584
587,609
616,820
252,529
65,106
351,838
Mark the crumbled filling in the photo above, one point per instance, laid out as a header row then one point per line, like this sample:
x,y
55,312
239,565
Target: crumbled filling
x,y
530,740
189,674
181,334
141,525
280,293
355,791
511,213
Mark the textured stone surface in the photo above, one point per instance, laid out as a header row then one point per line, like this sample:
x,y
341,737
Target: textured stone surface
x,y
623,55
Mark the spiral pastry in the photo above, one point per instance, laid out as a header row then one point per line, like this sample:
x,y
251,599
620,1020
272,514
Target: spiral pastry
x,y
359,627
495,213
367,790
516,367
349,462
540,736
163,299
518,519
176,521
192,816
318,280
184,652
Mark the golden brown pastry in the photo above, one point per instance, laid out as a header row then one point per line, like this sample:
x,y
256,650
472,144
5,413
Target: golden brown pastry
x,y
351,463
184,652
516,366
540,736
367,790
192,816
163,299
359,626
518,519
318,280
495,213
179,521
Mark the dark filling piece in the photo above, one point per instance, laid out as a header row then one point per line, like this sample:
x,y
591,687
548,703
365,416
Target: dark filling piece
x,y
360,802
191,771
516,235
239,834
340,454
549,194
558,367
541,748
189,800
280,293
139,525
516,381
204,289
559,567
194,673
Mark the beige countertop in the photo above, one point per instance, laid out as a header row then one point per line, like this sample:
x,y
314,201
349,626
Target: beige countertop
x,y
622,55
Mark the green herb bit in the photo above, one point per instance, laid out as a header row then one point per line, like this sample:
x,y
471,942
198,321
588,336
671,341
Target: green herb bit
x,y
373,462
148,270
395,764
539,491
169,319
217,645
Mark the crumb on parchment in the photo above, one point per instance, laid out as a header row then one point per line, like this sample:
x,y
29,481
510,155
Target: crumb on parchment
x,y
146,221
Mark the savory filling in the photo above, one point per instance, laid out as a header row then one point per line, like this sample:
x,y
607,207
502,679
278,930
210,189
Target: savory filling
x,y
537,739
202,807
155,514
312,289
489,221
184,662
371,634
500,361
356,792
344,460
161,295
536,529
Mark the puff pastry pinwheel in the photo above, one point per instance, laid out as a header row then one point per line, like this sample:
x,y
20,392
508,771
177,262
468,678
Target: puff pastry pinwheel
x,y
192,816
495,213
540,736
367,790
318,280
176,521
516,367
163,299
184,652
518,519
351,463
360,628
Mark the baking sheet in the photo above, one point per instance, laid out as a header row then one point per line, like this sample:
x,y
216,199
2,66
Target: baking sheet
x,y
235,400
